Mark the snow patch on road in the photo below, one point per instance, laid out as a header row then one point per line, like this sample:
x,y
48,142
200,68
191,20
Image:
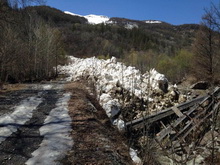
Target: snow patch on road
x,y
47,86
56,132
23,112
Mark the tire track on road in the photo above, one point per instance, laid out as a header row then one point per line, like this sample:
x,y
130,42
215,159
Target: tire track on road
x,y
56,131
17,148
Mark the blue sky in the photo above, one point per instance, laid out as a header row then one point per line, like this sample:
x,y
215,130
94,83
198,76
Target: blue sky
x,y
172,11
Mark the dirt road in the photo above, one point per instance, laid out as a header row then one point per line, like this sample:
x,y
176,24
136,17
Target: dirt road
x,y
96,141
49,124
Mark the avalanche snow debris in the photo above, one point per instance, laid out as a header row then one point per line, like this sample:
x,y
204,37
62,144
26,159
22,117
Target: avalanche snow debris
x,y
22,113
56,131
109,73
110,77
123,91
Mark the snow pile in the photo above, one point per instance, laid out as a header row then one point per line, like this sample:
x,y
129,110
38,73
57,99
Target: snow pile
x,y
110,76
56,131
22,113
92,19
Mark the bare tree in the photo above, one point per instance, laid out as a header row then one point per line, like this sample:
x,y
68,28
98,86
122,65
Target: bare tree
x,y
29,48
9,51
206,48
23,3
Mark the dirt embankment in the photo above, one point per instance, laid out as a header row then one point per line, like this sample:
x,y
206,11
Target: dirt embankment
x,y
95,139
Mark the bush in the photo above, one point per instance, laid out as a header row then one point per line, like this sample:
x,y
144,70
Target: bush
x,y
176,67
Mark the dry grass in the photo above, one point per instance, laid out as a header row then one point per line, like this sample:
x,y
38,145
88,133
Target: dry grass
x,y
12,87
95,140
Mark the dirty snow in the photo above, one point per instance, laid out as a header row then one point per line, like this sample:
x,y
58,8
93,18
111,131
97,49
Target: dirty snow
x,y
56,132
107,75
47,87
22,113
134,157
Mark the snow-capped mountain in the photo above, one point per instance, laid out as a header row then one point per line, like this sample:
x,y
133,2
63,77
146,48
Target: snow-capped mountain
x,y
127,23
93,19
97,19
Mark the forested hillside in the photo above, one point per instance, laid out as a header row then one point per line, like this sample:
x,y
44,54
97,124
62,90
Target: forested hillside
x,y
30,47
161,38
40,36
144,46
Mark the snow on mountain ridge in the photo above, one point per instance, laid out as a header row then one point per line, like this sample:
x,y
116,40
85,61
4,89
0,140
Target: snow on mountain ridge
x,y
92,18
131,25
152,21
67,12
98,19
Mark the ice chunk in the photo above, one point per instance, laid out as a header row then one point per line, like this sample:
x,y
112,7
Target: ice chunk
x,y
134,157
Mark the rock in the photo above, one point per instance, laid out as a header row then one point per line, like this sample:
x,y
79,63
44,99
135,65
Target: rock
x,y
143,141
91,107
156,100
198,160
203,85
119,90
208,138
115,111
112,108
120,124
175,95
134,157
182,98
163,85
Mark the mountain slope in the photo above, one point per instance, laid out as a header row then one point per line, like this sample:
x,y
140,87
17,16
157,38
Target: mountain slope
x,y
92,19
95,35
54,15
162,31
